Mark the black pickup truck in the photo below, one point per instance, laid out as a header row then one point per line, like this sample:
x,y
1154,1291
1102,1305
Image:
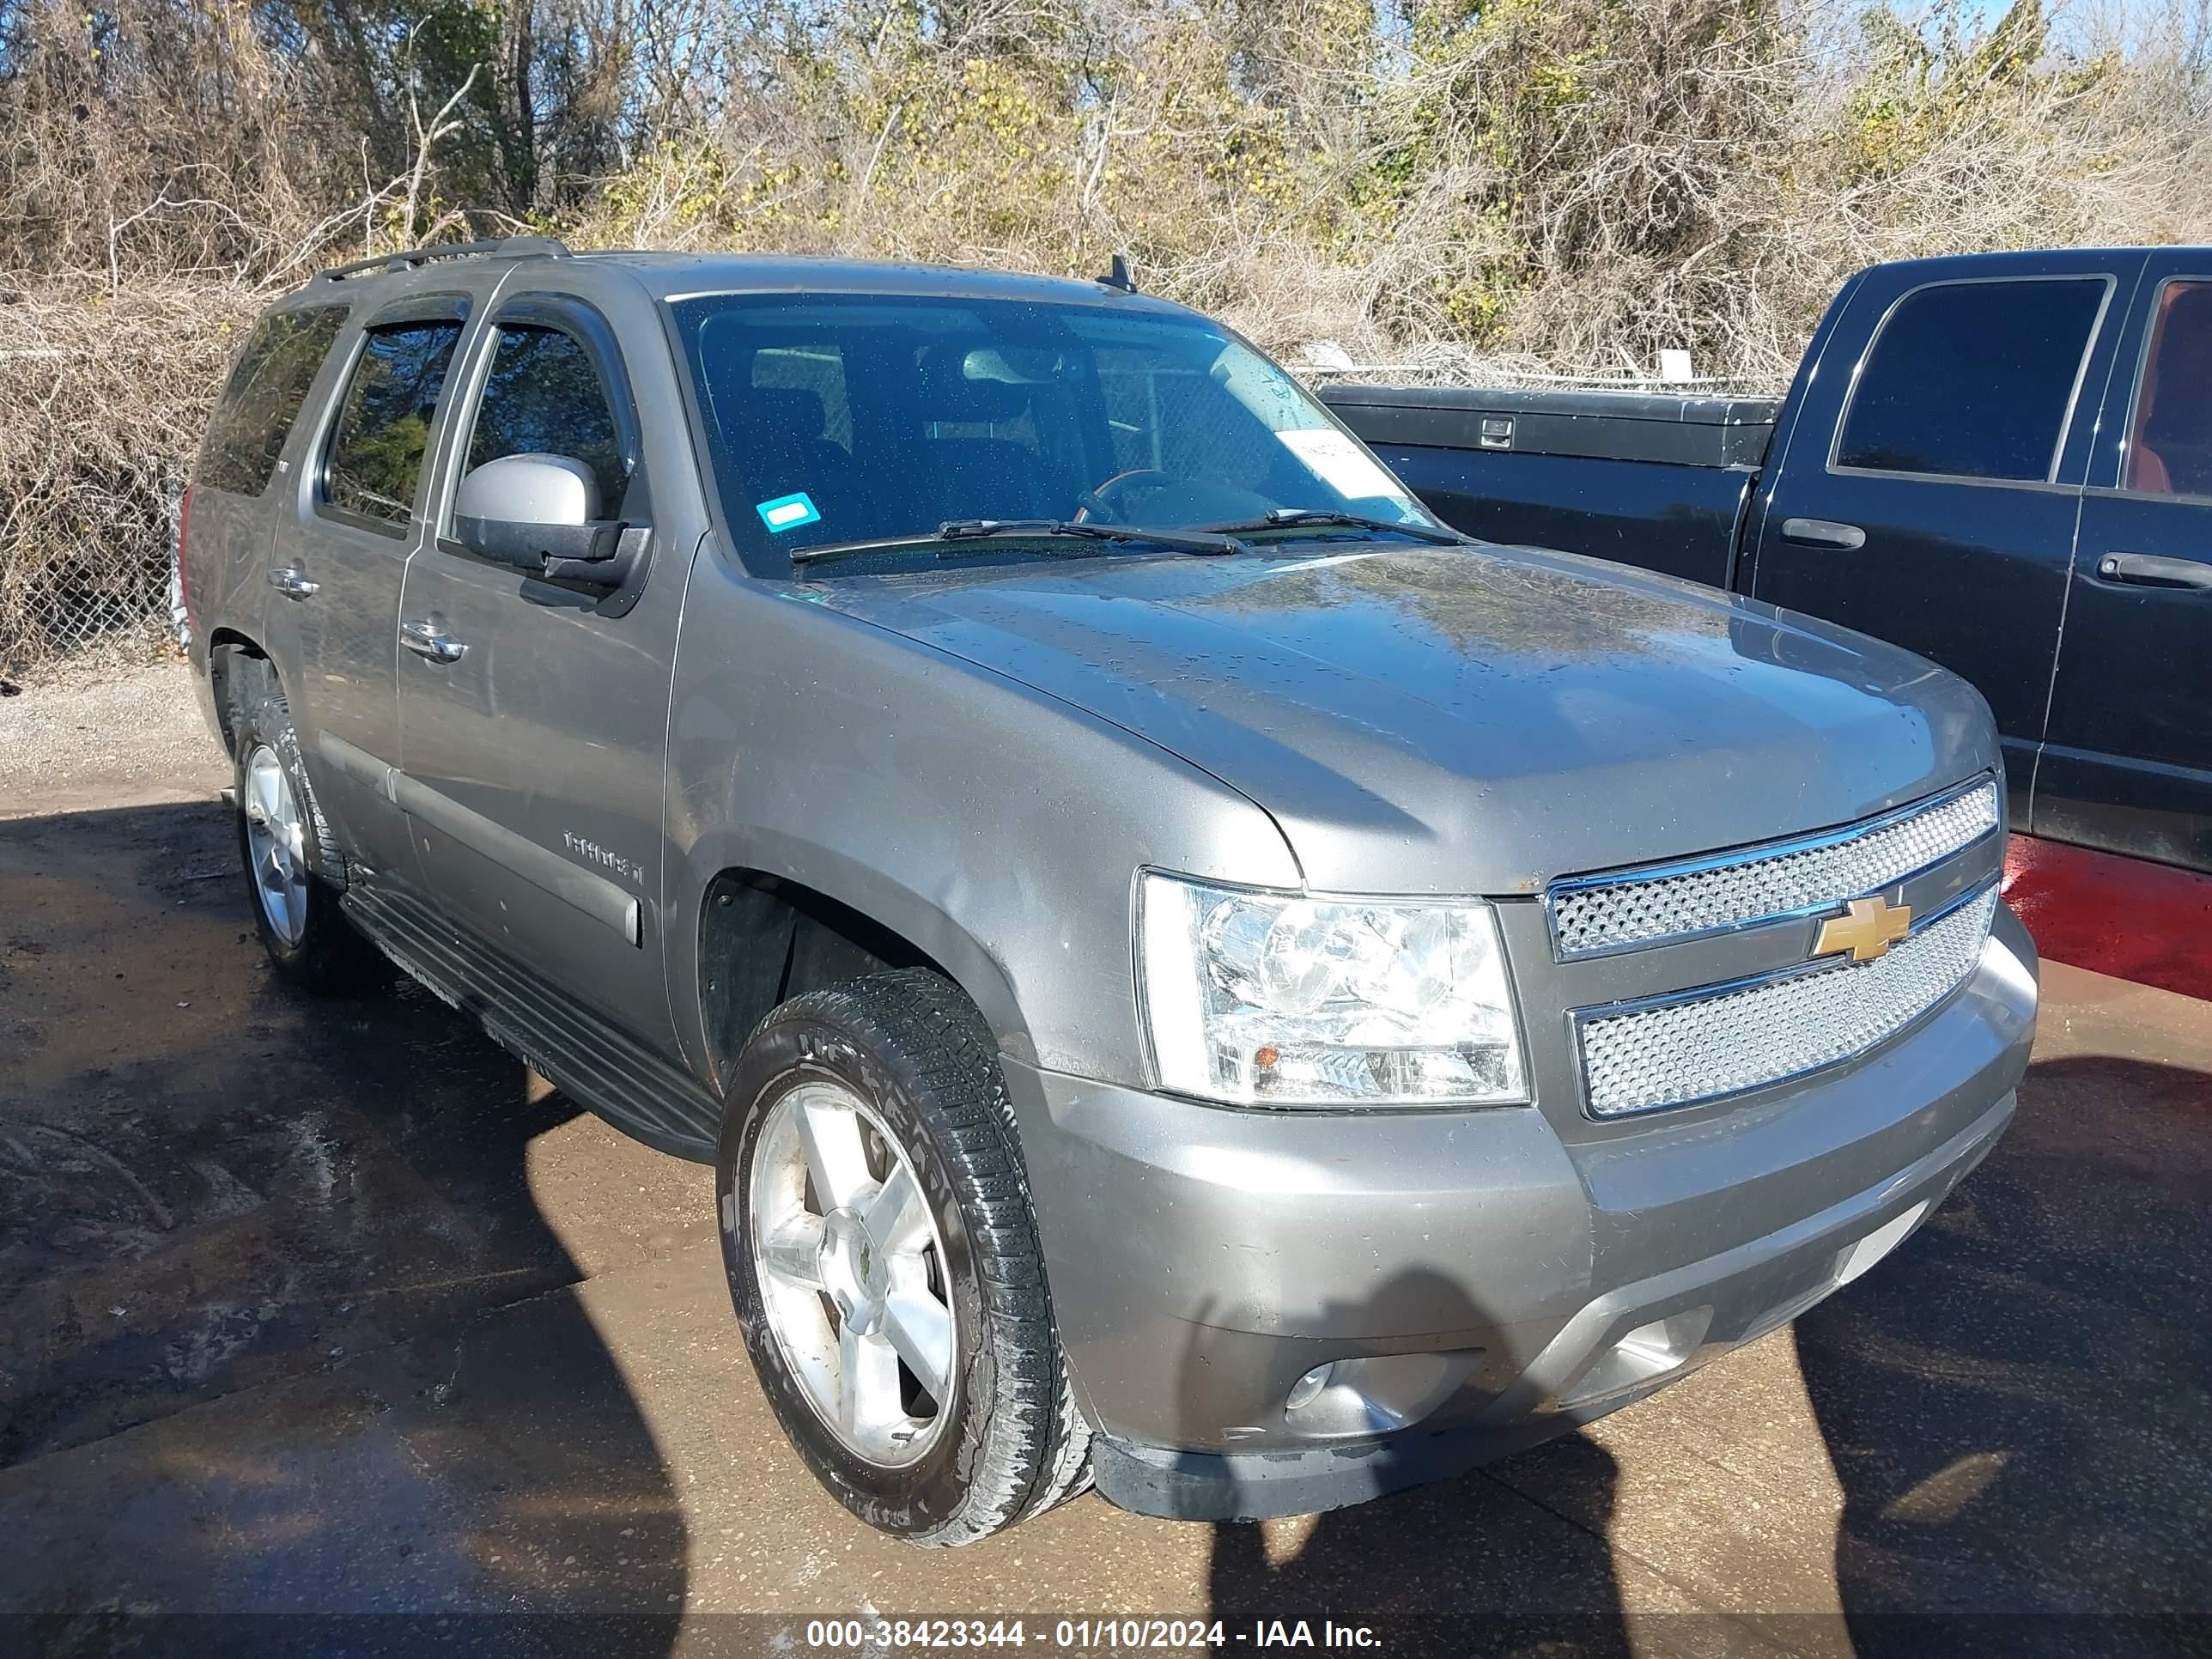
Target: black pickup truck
x,y
2001,461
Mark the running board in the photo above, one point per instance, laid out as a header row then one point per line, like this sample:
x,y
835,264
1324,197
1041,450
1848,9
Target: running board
x,y
578,1051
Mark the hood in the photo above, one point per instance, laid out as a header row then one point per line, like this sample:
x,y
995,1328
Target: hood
x,y
1456,719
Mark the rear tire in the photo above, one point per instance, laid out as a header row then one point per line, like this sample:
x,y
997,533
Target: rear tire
x,y
906,1057
286,850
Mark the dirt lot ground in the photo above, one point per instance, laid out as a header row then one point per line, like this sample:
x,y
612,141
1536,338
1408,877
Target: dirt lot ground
x,y
330,1308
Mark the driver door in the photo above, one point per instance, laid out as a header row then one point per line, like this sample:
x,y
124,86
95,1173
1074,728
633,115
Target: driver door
x,y
533,715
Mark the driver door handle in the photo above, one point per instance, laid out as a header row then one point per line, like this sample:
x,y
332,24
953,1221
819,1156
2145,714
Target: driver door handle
x,y
1823,532
2153,570
424,640
292,582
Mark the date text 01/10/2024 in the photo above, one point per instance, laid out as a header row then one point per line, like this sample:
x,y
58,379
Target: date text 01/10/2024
x,y
898,1635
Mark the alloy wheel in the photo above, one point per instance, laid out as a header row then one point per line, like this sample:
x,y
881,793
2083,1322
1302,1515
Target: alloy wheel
x,y
852,1272
276,839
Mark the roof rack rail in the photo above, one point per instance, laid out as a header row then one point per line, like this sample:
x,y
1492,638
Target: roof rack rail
x,y
509,247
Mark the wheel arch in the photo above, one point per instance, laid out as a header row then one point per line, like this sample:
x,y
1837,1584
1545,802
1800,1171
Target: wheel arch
x,y
227,647
764,936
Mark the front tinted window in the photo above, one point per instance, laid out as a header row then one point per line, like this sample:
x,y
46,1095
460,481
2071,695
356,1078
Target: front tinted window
x,y
1972,380
2170,448
385,426
543,396
834,420
261,399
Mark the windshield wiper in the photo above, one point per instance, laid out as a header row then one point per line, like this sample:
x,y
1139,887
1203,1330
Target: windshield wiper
x,y
972,530
1297,517
1184,541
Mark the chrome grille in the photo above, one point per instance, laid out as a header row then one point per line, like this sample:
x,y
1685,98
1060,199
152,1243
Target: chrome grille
x,y
1592,915
1700,1046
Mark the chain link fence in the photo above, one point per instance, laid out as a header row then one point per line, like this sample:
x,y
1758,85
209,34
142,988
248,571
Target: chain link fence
x,y
71,601
103,395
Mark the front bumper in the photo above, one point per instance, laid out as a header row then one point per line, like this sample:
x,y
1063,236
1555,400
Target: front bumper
x,y
1477,1280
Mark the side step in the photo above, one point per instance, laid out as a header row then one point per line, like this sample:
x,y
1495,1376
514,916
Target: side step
x,y
634,1089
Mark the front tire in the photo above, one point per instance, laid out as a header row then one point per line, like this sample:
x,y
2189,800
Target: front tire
x,y
885,1265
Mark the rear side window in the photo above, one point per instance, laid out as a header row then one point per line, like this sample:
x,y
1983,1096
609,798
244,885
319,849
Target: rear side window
x,y
1972,380
385,426
261,399
543,396
2170,445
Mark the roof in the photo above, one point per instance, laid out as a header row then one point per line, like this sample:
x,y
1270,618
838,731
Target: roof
x,y
671,275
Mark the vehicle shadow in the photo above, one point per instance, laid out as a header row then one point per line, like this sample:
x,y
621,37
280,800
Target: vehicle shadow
x,y
2017,1406
1465,1564
284,1335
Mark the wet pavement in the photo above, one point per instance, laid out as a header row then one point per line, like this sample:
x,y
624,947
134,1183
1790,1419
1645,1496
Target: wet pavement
x,y
328,1307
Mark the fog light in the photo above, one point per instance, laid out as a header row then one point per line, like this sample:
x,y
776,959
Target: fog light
x,y
1307,1388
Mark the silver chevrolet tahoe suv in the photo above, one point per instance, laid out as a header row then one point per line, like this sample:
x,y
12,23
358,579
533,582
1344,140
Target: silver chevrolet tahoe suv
x,y
1191,976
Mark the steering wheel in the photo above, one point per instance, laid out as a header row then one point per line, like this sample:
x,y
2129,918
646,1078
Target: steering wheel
x,y
1104,502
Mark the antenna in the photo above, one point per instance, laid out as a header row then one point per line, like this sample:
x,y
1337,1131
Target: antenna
x,y
1119,276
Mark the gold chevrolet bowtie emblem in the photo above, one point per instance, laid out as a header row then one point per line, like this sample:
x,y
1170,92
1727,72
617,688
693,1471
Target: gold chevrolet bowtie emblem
x,y
1866,929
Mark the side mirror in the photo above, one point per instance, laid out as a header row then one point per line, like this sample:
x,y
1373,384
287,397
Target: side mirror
x,y
540,513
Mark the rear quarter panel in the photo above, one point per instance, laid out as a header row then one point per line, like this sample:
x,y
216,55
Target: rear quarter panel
x,y
230,535
225,553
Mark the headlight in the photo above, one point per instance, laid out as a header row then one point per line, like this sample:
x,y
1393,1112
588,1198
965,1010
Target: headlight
x,y
1278,1000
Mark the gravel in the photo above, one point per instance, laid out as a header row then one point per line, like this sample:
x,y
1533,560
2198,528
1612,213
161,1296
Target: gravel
x,y
87,734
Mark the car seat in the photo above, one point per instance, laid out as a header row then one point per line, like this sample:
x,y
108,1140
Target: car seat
x,y
980,476
2172,453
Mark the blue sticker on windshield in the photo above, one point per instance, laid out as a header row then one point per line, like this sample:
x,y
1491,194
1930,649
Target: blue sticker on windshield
x,y
788,513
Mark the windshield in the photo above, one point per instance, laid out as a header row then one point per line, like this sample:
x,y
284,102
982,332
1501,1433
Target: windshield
x,y
834,420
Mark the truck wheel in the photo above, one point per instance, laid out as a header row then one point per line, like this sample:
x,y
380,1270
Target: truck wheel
x,y
286,848
876,1232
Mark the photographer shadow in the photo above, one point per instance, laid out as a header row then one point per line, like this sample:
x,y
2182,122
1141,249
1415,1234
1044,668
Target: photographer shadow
x,y
339,1390
2016,1408
1459,1565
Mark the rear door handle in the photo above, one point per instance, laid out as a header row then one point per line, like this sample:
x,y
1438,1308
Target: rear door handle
x,y
292,582
2153,570
424,640
1823,532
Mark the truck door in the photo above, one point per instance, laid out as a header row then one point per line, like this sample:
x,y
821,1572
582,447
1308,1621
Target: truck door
x,y
533,717
341,552
1930,481
2127,763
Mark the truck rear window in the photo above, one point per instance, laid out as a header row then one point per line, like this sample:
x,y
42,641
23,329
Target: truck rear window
x,y
1972,380
261,399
